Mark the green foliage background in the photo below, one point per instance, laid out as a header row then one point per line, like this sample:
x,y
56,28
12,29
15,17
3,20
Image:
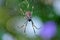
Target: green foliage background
x,y
11,8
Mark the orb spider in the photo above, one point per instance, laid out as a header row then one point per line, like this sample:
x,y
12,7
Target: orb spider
x,y
28,16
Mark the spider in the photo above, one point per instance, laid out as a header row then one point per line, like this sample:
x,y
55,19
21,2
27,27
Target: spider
x,y
28,16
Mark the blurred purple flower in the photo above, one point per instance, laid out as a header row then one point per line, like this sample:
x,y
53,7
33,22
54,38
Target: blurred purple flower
x,y
49,30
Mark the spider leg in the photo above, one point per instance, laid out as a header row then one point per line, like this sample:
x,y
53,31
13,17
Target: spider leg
x,y
33,26
33,29
28,5
22,25
25,26
32,9
22,11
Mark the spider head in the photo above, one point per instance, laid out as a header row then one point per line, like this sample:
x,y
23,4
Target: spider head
x,y
28,13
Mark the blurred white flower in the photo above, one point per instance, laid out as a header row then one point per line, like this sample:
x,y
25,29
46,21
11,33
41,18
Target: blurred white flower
x,y
29,30
16,22
56,5
7,37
